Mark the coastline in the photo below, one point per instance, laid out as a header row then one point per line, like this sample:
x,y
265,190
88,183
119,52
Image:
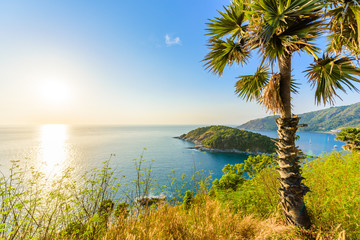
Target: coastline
x,y
333,131
198,146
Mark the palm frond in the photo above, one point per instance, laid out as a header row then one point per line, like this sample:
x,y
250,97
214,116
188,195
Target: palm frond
x,y
344,26
329,74
231,22
225,53
287,26
294,86
271,98
249,87
259,87
301,34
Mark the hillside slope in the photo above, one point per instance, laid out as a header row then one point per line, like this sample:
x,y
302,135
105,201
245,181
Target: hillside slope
x,y
228,138
322,120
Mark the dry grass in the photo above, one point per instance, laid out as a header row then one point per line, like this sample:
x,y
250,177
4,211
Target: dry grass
x,y
207,219
248,213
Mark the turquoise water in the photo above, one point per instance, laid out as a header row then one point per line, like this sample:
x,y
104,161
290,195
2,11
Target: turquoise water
x,y
51,148
312,143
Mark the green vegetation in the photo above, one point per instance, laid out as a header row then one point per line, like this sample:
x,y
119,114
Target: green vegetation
x,y
351,136
188,198
333,203
279,29
243,204
231,179
322,120
257,192
228,138
34,205
38,206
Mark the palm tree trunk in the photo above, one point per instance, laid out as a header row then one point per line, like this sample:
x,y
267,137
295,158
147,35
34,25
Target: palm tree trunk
x,y
285,80
291,189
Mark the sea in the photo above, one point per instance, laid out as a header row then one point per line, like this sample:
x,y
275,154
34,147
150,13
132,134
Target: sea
x,y
53,148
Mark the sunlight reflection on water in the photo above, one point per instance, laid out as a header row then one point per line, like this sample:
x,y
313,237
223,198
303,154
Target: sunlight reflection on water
x,y
53,148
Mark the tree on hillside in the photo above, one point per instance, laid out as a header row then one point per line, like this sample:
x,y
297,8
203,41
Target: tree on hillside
x,y
351,136
278,29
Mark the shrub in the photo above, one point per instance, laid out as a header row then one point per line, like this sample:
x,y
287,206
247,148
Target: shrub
x,y
121,210
188,198
74,230
351,136
106,208
231,179
256,195
334,198
255,164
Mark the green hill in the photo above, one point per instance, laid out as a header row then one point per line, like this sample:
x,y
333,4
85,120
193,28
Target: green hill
x,y
228,138
323,120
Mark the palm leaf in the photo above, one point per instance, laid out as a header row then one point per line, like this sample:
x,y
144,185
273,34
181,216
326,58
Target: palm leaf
x,y
271,98
344,26
287,26
294,86
329,74
231,22
249,87
225,53
263,89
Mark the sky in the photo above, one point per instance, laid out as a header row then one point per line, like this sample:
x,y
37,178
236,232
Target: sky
x,y
122,63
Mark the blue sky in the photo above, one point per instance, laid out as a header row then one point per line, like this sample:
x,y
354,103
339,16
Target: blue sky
x,y
121,62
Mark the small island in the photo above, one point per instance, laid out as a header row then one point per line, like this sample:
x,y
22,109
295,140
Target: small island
x,y
228,139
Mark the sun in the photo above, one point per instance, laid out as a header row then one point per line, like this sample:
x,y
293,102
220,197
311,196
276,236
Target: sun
x,y
55,92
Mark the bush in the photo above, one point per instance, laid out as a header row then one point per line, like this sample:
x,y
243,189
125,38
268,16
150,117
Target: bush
x,y
188,198
255,195
334,198
106,208
351,136
333,203
74,230
121,210
255,164
258,196
231,179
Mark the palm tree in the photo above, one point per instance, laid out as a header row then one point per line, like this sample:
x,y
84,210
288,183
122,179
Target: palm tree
x,y
344,25
278,29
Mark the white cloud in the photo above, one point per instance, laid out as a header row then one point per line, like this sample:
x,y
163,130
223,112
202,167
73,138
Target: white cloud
x,y
172,41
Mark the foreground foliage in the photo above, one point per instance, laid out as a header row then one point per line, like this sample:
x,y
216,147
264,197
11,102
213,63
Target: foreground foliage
x,y
257,193
243,204
333,203
39,206
206,219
